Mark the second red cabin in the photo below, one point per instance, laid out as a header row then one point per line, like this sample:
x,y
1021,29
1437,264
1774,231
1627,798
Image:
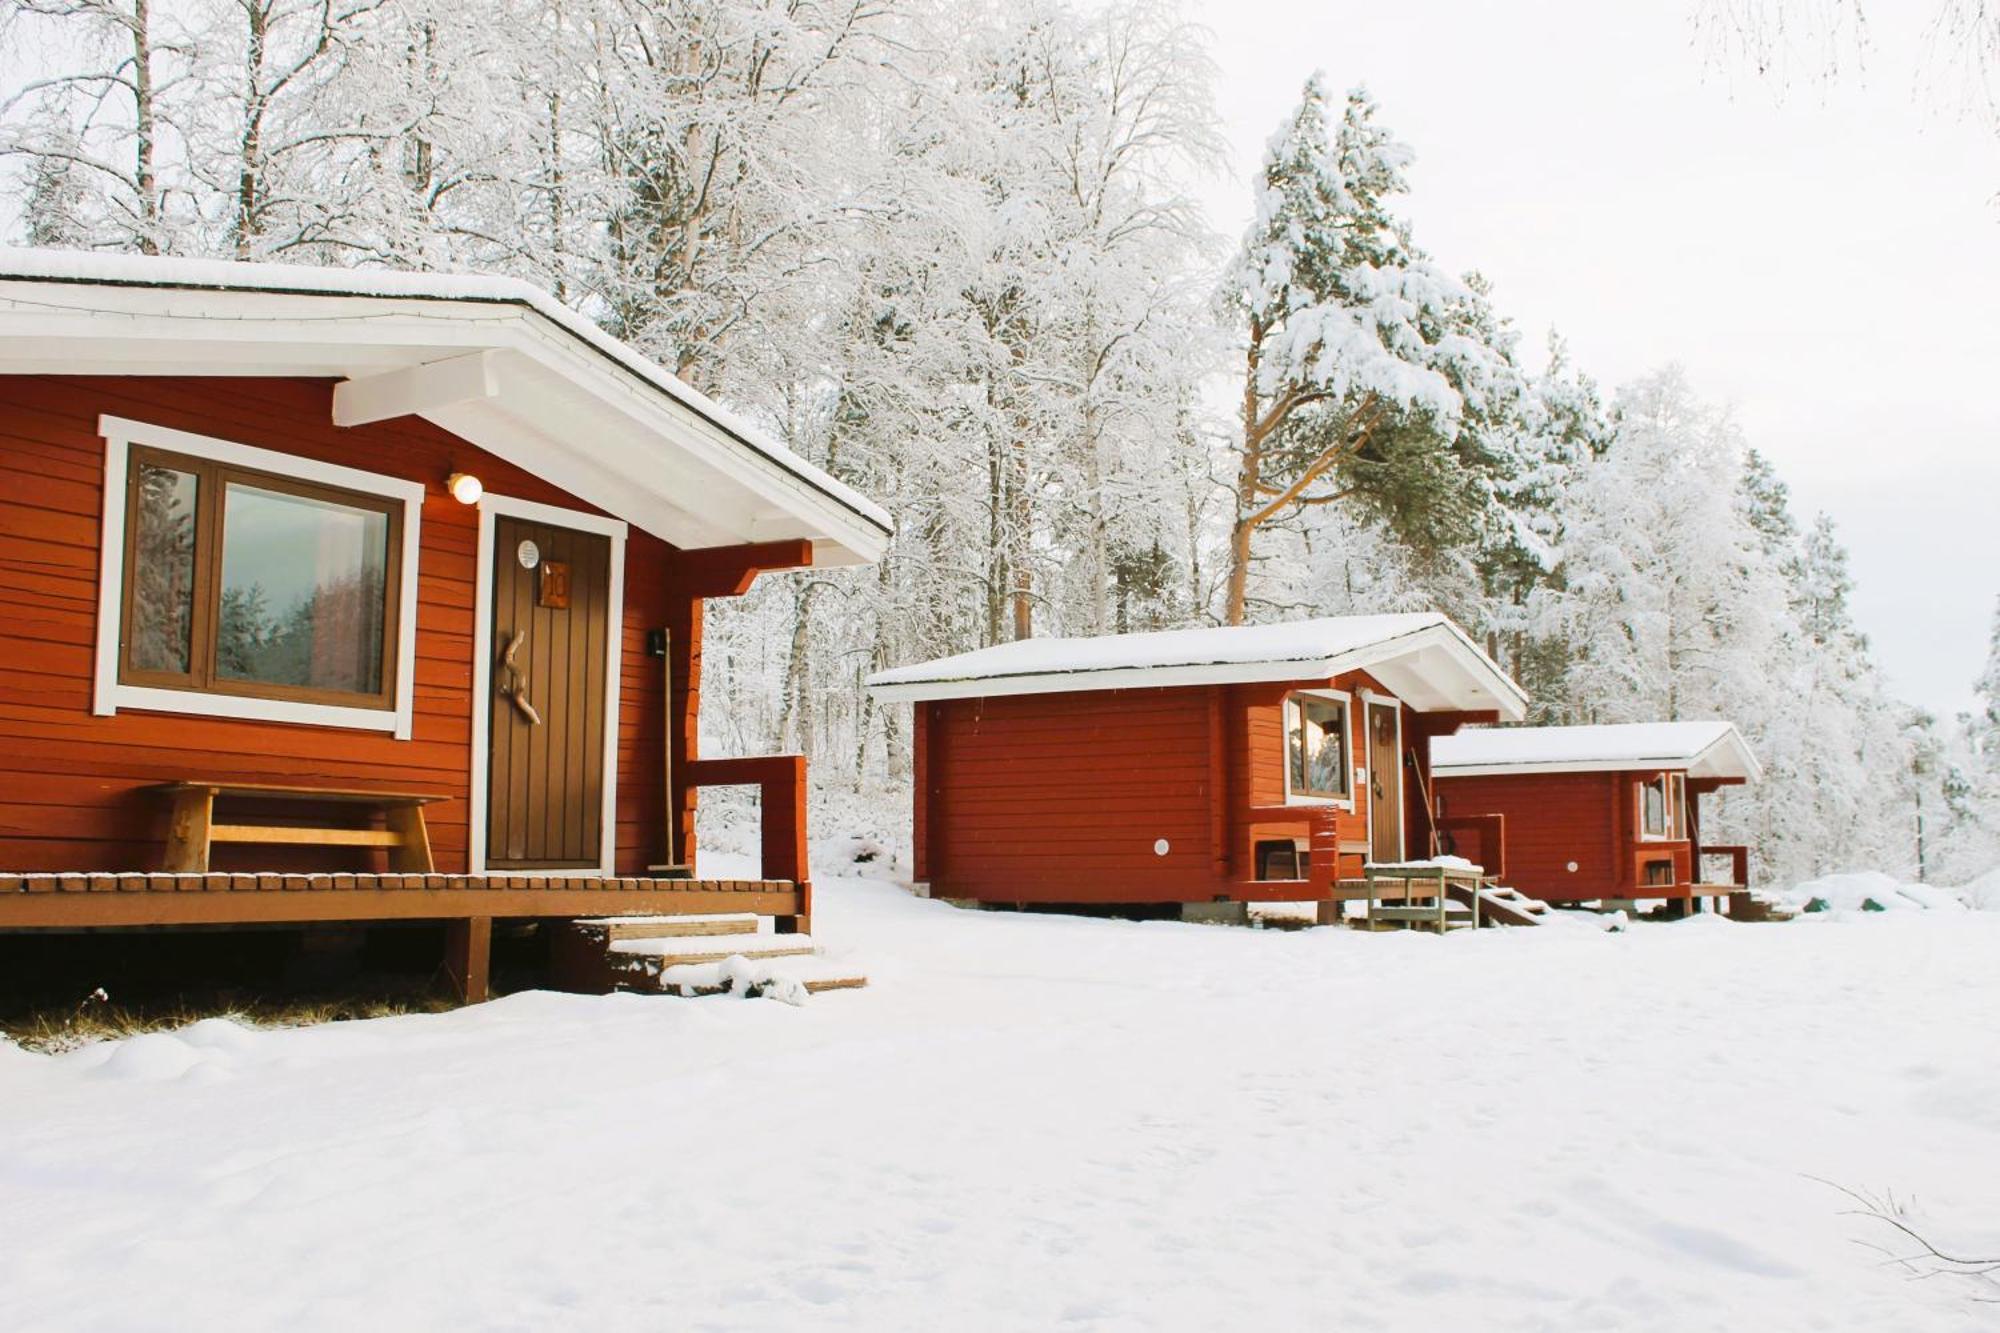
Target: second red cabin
x,y
1246,764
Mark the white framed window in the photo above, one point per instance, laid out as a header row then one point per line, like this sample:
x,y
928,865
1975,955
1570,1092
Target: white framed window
x,y
237,581
1661,803
1319,753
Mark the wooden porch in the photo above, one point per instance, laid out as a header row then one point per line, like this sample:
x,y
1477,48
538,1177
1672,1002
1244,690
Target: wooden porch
x,y
469,904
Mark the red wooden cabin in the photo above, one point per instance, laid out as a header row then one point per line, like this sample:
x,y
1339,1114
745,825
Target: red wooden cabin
x,y
1595,813
1256,763
433,548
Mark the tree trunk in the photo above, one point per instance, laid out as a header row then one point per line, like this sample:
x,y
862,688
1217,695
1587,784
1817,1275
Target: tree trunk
x,y
1248,474
144,128
249,165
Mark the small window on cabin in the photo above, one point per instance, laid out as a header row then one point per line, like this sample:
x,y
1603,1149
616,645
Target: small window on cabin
x,y
239,582
1316,746
1657,816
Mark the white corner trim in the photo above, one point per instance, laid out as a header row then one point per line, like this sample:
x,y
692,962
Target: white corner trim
x,y
109,694
491,507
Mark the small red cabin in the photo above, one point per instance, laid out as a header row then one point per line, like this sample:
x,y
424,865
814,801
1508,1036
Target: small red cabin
x,y
1244,764
383,586
1581,814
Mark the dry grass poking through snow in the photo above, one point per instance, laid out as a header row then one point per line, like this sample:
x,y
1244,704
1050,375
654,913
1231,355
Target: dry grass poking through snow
x,y
55,1030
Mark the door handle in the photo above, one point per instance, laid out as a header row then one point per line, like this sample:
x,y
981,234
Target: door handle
x,y
515,689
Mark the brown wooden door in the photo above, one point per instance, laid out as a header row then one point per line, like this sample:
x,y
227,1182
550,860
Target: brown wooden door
x,y
551,635
1385,786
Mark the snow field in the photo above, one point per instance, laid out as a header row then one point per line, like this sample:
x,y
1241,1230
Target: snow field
x,y
1039,1122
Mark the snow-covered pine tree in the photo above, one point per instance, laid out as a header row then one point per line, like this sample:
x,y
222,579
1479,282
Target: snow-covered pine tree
x,y
1358,351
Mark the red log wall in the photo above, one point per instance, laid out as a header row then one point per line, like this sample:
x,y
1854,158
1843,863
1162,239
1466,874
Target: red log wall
x,y
69,780
1556,818
1059,798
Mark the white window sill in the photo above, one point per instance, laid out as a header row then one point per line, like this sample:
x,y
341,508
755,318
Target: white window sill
x,y
115,697
1322,802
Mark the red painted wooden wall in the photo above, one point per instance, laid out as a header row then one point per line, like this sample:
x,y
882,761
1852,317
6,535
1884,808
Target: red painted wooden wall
x,y
70,780
1554,819
1060,798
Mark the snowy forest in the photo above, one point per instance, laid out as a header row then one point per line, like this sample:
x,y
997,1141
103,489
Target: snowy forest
x,y
952,252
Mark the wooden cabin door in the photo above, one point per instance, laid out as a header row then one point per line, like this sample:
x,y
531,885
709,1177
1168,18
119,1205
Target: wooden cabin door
x,y
551,638
1385,785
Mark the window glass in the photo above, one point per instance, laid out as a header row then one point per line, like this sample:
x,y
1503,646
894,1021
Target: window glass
x,y
163,565
1653,803
1316,745
304,588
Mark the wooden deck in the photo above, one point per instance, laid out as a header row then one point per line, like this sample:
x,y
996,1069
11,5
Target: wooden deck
x,y
145,899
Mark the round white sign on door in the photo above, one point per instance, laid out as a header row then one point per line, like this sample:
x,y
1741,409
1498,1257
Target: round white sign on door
x,y
529,554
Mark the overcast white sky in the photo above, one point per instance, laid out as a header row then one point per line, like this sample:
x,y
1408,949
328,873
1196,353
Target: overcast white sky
x,y
1825,259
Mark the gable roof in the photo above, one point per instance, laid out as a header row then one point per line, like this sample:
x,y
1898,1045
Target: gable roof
x,y
1426,660
495,361
1705,749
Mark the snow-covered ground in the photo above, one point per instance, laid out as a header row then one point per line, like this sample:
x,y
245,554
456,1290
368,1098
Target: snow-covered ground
x,y
1037,1122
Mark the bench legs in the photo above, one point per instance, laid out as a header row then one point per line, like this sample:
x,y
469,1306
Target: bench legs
x,y
188,828
468,952
412,853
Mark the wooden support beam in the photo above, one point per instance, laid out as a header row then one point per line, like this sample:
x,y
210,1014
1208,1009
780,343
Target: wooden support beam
x,y
468,953
415,390
728,571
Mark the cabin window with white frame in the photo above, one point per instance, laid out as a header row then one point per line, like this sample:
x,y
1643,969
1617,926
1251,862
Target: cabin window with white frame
x,y
248,583
1316,747
1660,802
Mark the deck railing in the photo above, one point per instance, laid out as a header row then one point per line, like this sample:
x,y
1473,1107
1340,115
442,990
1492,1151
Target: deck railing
x,y
781,783
1739,862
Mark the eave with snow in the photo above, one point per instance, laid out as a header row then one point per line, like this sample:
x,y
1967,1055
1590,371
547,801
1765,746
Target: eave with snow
x,y
1423,658
1238,764
391,584
494,361
1701,749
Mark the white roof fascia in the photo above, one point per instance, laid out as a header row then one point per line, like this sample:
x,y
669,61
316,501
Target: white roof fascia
x,y
1711,761
1492,690
195,317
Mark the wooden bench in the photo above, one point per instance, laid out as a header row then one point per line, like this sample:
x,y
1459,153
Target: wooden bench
x,y
193,830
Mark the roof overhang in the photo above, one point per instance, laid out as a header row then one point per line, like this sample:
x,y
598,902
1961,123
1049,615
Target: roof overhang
x,y
1433,669
493,361
1725,760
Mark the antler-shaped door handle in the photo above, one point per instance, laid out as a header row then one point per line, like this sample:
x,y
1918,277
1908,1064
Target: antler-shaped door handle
x,y
515,689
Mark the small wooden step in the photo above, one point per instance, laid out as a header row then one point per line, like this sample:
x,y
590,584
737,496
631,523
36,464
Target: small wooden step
x,y
814,974
664,927
666,951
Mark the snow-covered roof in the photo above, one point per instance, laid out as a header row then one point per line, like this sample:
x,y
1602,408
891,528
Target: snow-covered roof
x,y
494,360
1704,749
1426,660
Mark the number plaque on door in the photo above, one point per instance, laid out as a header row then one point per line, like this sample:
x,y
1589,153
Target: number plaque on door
x,y
555,585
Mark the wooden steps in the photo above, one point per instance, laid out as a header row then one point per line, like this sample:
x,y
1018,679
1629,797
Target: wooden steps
x,y
1748,906
692,955
812,975
668,950
1510,907
663,927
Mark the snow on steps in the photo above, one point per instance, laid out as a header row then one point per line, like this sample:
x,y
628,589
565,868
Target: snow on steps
x,y
784,967
695,955
1511,907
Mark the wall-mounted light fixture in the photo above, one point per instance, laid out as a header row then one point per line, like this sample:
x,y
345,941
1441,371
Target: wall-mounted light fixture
x,y
465,488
